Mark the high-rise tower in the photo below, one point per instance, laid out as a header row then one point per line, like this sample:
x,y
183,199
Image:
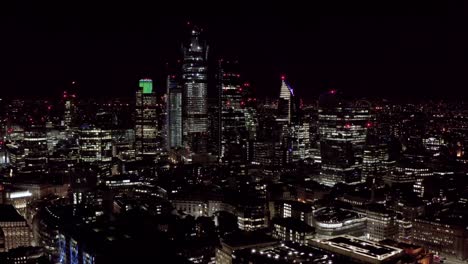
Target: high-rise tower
x,y
174,113
146,125
195,92
285,102
233,134
342,129
69,105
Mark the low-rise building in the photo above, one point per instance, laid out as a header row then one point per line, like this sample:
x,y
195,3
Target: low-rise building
x,y
381,223
355,250
16,230
443,235
291,229
329,222
225,253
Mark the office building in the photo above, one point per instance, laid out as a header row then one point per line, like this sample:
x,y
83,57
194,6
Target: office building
x,y
35,150
146,127
233,134
251,215
285,109
355,250
444,235
195,92
297,210
95,148
329,222
69,106
291,229
15,228
238,241
286,252
381,223
174,113
375,160
342,130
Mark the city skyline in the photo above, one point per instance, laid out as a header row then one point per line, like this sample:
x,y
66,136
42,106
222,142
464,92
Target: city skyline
x,y
233,137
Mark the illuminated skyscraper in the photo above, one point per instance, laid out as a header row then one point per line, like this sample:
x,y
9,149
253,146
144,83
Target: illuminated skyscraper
x,y
195,89
35,149
342,129
233,133
375,159
69,104
96,148
285,102
146,125
174,113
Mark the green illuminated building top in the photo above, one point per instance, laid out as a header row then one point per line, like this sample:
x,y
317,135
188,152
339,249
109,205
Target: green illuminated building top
x,y
147,85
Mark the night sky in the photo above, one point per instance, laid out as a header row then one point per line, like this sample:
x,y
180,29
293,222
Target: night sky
x,y
377,51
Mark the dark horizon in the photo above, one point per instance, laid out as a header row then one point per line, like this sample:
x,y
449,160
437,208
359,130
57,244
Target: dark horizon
x,y
392,56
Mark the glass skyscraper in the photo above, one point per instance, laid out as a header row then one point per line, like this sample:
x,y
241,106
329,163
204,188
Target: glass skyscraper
x,y
285,102
146,125
342,129
174,113
233,132
195,92
69,105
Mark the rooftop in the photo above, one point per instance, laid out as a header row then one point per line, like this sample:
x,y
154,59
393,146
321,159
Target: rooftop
x,y
359,248
379,208
9,214
294,224
244,239
285,253
334,215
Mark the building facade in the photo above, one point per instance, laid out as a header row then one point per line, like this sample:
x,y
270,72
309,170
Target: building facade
x,y
174,113
342,129
195,93
146,127
233,134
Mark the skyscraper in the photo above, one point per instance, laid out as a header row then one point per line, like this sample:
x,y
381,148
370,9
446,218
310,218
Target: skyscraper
x,y
294,139
146,125
285,102
342,129
375,159
96,148
233,133
174,113
69,105
195,91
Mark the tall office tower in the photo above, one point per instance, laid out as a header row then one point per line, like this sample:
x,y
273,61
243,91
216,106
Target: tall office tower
x,y
95,144
174,113
342,130
69,105
95,148
285,102
233,134
375,159
250,111
35,149
195,92
162,122
296,141
214,126
146,125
